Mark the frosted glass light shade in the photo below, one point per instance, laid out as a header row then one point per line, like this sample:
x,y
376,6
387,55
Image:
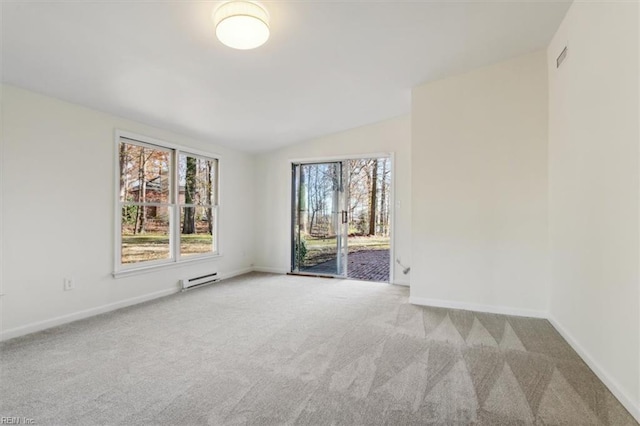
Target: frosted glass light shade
x,y
241,24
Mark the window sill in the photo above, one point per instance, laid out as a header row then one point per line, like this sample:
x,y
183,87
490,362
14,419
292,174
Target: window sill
x,y
154,268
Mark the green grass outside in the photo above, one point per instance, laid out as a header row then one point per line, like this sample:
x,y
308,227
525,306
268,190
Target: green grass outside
x,y
145,239
354,243
320,250
146,247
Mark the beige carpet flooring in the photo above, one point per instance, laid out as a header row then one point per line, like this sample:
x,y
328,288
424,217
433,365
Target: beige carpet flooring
x,y
266,349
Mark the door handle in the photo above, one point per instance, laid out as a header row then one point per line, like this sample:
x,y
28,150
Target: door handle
x,y
345,218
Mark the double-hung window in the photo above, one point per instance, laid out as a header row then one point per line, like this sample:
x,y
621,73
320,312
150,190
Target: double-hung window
x,y
167,204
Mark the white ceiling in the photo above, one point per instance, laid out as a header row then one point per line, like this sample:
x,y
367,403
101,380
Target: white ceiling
x,y
328,66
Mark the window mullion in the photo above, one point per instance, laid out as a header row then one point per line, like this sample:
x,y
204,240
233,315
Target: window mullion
x,y
175,228
135,203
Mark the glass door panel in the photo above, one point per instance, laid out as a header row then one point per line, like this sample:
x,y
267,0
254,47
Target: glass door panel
x,y
318,219
343,219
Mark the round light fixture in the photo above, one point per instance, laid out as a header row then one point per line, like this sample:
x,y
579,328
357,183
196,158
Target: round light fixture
x,y
241,24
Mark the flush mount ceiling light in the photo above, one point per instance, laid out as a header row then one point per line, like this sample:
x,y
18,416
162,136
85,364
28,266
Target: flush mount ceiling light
x,y
241,24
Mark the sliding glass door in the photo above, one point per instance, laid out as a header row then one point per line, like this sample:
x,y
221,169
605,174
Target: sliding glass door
x,y
319,219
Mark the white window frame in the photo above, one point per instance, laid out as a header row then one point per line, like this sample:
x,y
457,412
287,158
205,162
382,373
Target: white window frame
x,y
120,269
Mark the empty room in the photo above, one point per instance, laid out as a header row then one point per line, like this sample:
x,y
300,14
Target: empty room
x,y
320,212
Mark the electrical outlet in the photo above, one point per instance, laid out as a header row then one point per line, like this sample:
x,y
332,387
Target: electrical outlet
x,y
68,284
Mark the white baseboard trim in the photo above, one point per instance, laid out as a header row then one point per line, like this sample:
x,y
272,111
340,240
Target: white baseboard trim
x,y
285,271
86,313
235,273
270,270
531,313
614,387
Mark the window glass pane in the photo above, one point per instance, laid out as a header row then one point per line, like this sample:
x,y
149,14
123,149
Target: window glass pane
x,y
196,230
197,180
144,174
158,204
145,233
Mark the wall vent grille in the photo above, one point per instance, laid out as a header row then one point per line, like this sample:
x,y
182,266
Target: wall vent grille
x,y
562,57
191,283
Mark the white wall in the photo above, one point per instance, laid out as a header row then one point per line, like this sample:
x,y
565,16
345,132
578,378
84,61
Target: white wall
x,y
594,190
58,194
273,184
479,179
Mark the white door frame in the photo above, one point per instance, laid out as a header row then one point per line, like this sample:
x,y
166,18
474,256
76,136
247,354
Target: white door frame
x,y
392,203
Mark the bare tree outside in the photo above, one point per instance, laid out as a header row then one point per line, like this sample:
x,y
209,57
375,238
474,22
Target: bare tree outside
x,y
189,220
144,192
373,194
197,201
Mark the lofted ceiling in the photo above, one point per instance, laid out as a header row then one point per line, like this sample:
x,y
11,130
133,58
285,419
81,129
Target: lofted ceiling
x,y
328,66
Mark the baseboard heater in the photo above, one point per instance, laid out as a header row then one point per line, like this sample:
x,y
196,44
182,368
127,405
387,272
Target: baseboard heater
x,y
191,283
